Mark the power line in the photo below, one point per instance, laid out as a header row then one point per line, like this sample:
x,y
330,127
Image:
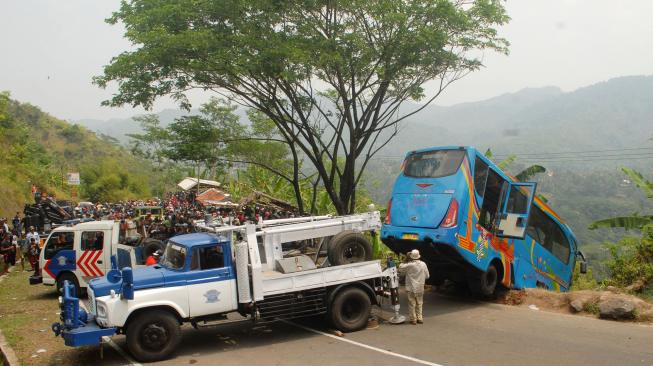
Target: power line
x,y
573,152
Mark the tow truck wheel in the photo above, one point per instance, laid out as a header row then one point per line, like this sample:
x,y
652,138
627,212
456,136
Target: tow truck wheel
x,y
153,335
70,278
350,309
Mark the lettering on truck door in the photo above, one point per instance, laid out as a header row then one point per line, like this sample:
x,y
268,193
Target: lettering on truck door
x,y
211,281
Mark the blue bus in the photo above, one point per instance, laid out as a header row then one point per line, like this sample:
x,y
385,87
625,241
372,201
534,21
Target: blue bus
x,y
476,225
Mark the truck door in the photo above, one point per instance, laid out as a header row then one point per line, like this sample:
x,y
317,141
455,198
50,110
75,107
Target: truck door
x,y
514,209
91,261
59,254
211,281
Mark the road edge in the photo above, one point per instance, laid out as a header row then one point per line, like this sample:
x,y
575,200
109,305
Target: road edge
x,y
7,353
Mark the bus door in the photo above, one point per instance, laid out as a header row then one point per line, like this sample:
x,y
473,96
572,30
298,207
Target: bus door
x,y
515,208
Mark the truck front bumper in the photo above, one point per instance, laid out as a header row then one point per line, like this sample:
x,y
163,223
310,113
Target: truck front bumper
x,y
89,334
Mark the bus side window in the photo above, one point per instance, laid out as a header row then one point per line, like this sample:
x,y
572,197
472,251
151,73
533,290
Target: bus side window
x,y
491,197
548,234
480,176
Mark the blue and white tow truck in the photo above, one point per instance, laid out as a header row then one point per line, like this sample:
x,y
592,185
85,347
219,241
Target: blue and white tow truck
x,y
204,276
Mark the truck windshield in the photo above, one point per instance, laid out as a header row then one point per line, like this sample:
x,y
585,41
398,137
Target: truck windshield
x,y
433,164
174,256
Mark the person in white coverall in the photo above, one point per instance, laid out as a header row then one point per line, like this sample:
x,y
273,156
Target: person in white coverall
x,y
416,274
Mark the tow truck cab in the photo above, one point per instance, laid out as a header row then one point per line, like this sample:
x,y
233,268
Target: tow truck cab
x,y
195,278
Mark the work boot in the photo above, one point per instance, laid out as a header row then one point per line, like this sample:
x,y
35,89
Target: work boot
x,y
420,321
413,322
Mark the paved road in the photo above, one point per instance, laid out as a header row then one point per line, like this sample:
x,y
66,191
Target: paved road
x,y
456,332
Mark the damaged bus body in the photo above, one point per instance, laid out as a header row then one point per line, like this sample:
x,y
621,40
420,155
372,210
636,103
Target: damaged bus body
x,y
474,224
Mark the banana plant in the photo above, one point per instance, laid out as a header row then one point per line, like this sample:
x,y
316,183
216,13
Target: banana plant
x,y
634,221
522,176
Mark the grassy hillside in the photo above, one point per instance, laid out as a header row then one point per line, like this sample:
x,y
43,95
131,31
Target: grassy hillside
x,y
39,148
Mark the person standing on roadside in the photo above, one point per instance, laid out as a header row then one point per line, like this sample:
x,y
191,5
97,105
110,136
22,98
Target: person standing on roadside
x,y
416,274
18,224
18,250
32,234
8,251
33,255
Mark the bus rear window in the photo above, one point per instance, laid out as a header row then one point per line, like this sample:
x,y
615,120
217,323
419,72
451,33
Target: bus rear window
x,y
433,164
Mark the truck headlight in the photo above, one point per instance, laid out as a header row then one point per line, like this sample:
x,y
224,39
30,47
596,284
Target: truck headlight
x,y
101,310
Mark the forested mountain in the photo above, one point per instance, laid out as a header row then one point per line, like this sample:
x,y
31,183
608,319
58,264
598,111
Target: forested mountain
x,y
40,149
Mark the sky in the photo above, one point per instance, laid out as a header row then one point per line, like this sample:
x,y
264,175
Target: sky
x,y
51,49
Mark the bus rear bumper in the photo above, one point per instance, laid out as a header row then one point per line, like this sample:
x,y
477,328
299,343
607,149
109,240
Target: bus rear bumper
x,y
403,239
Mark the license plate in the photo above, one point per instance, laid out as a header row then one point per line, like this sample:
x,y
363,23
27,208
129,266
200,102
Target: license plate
x,y
410,237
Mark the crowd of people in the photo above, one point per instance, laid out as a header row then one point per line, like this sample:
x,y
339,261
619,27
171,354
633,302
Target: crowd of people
x,y
160,218
17,246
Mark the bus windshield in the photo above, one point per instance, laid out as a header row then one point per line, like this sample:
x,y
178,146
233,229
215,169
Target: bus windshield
x,y
433,164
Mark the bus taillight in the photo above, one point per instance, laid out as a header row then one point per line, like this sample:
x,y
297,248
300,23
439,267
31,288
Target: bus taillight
x,y
451,219
387,214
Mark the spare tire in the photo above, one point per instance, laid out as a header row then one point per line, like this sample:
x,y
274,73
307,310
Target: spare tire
x,y
349,247
150,246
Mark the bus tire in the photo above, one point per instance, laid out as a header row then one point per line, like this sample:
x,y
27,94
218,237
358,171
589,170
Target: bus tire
x,y
349,247
350,309
153,335
67,276
486,284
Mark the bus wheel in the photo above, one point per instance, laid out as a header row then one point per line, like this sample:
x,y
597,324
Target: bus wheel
x,y
153,335
350,309
486,284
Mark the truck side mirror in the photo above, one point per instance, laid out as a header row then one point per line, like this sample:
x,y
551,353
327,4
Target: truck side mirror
x,y
127,284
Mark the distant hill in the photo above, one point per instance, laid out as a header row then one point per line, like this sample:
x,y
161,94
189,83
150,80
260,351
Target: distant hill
x,y
609,115
40,149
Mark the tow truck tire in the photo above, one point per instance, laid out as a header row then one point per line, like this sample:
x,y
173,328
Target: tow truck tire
x,y
70,278
349,247
153,335
350,309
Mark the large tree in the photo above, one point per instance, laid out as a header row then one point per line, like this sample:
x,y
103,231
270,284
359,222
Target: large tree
x,y
332,75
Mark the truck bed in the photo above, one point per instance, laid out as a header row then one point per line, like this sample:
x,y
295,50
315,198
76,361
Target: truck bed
x,y
274,282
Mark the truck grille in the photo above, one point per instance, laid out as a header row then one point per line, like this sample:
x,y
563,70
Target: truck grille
x,y
90,305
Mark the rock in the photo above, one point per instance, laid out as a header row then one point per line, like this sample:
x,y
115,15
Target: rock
x,y
612,289
577,306
533,307
617,308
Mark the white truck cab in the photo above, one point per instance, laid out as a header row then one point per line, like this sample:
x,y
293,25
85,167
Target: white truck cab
x,y
79,253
